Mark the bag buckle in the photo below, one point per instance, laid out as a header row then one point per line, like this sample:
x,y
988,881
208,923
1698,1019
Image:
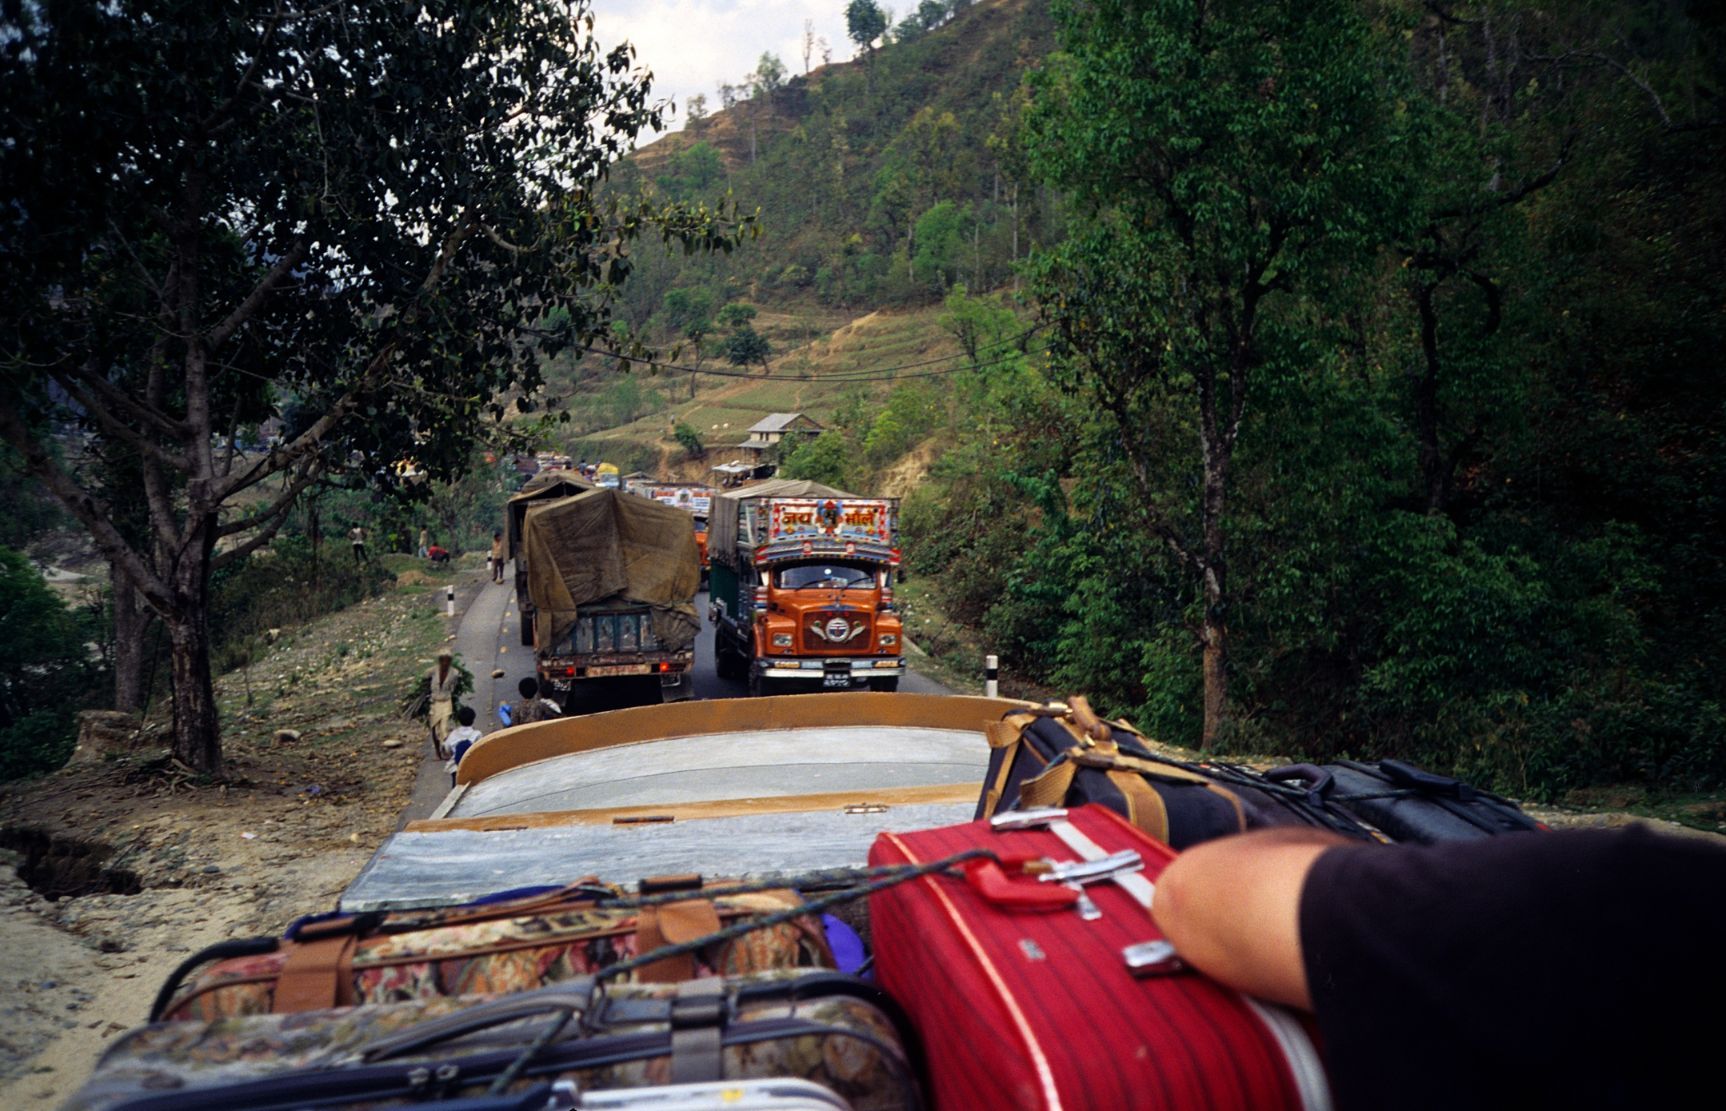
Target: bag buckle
x,y
1091,871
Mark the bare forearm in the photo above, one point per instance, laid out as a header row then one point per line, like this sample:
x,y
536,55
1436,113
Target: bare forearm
x,y
1232,909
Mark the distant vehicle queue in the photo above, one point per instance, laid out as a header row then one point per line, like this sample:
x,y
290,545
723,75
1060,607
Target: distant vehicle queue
x,y
606,573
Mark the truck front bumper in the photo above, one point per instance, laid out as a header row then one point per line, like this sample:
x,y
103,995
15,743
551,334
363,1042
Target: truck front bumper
x,y
833,672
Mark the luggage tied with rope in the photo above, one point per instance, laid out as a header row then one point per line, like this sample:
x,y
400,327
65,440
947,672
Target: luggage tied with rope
x,y
1064,754
512,945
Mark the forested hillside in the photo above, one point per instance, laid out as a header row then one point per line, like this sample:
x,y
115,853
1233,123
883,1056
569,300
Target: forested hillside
x,y
1376,405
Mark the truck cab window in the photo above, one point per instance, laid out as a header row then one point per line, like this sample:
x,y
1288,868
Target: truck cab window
x,y
825,575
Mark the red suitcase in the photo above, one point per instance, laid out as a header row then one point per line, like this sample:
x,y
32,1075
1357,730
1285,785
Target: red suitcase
x,y
1036,1007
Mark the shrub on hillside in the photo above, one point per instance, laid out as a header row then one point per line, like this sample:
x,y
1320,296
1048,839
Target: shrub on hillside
x,y
49,676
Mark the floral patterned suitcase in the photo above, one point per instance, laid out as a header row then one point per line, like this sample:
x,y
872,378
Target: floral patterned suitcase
x,y
501,947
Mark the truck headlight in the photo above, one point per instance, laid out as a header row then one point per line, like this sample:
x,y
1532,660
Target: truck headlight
x,y
781,640
889,639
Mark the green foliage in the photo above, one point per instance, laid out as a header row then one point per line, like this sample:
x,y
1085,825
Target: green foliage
x,y
690,440
943,236
908,417
291,583
864,23
746,346
368,257
824,458
49,675
414,701
695,171
736,314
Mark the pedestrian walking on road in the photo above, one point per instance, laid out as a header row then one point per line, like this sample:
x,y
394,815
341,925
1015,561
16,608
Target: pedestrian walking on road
x,y
497,556
440,712
357,536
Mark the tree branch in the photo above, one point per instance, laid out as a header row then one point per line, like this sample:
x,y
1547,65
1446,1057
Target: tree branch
x,y
269,522
310,470
73,380
82,505
224,331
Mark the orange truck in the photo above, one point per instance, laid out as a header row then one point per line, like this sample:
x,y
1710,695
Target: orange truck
x,y
801,590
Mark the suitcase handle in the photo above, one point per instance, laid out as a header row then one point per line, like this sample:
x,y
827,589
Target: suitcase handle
x,y
1317,781
1407,775
987,878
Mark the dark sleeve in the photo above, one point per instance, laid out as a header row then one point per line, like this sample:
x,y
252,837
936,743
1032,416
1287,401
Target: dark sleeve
x,y
1537,969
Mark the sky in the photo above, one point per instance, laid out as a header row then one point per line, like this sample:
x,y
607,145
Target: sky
x,y
692,46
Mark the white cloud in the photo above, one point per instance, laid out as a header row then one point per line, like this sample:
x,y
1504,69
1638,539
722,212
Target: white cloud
x,y
693,46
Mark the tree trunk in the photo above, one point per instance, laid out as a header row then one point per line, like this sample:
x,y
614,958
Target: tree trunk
x,y
197,730
1215,663
1434,469
131,622
1217,449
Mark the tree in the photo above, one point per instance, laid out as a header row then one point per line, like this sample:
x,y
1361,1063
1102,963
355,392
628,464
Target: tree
x,y
808,43
941,235
767,78
769,75
736,315
358,210
864,23
697,111
746,346
1223,159
982,326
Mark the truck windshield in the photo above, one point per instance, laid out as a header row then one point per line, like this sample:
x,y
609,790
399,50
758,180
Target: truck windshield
x,y
825,574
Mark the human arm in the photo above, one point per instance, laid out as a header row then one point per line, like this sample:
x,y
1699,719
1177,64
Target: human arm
x,y
1231,908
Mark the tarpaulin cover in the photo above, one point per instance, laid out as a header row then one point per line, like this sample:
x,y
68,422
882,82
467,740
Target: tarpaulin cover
x,y
603,545
727,506
545,486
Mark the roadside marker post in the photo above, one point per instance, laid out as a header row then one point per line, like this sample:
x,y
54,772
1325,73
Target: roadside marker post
x,y
991,676
449,600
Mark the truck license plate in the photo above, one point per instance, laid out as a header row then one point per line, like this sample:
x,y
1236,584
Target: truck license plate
x,y
619,669
837,679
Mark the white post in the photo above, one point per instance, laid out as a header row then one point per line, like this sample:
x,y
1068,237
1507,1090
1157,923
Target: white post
x,y
991,673
449,600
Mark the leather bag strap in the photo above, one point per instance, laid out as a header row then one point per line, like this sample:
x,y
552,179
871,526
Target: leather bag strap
x,y
673,924
317,975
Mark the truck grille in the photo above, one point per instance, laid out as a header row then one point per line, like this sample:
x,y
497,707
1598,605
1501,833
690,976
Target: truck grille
x,y
847,632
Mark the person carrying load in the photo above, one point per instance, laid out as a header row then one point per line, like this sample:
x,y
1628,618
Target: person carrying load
x,y
440,711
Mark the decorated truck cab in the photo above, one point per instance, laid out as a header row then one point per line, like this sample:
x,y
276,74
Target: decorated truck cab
x,y
802,588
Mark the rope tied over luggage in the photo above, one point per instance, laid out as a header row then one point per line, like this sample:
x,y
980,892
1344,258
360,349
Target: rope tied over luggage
x,y
875,879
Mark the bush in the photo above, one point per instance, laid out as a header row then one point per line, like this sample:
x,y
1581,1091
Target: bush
x,y
690,440
50,673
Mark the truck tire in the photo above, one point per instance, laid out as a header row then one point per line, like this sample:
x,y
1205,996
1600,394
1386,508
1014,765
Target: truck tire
x,y
725,660
888,685
760,685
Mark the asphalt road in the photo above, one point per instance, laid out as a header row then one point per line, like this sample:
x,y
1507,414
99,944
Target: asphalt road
x,y
487,639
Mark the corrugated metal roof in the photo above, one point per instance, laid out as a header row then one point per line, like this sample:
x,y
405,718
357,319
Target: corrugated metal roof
x,y
780,422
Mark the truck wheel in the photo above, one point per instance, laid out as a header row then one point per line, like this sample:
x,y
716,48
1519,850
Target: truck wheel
x,y
888,685
527,634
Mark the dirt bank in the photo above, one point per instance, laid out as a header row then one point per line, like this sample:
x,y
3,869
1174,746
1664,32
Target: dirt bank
x,y
282,838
